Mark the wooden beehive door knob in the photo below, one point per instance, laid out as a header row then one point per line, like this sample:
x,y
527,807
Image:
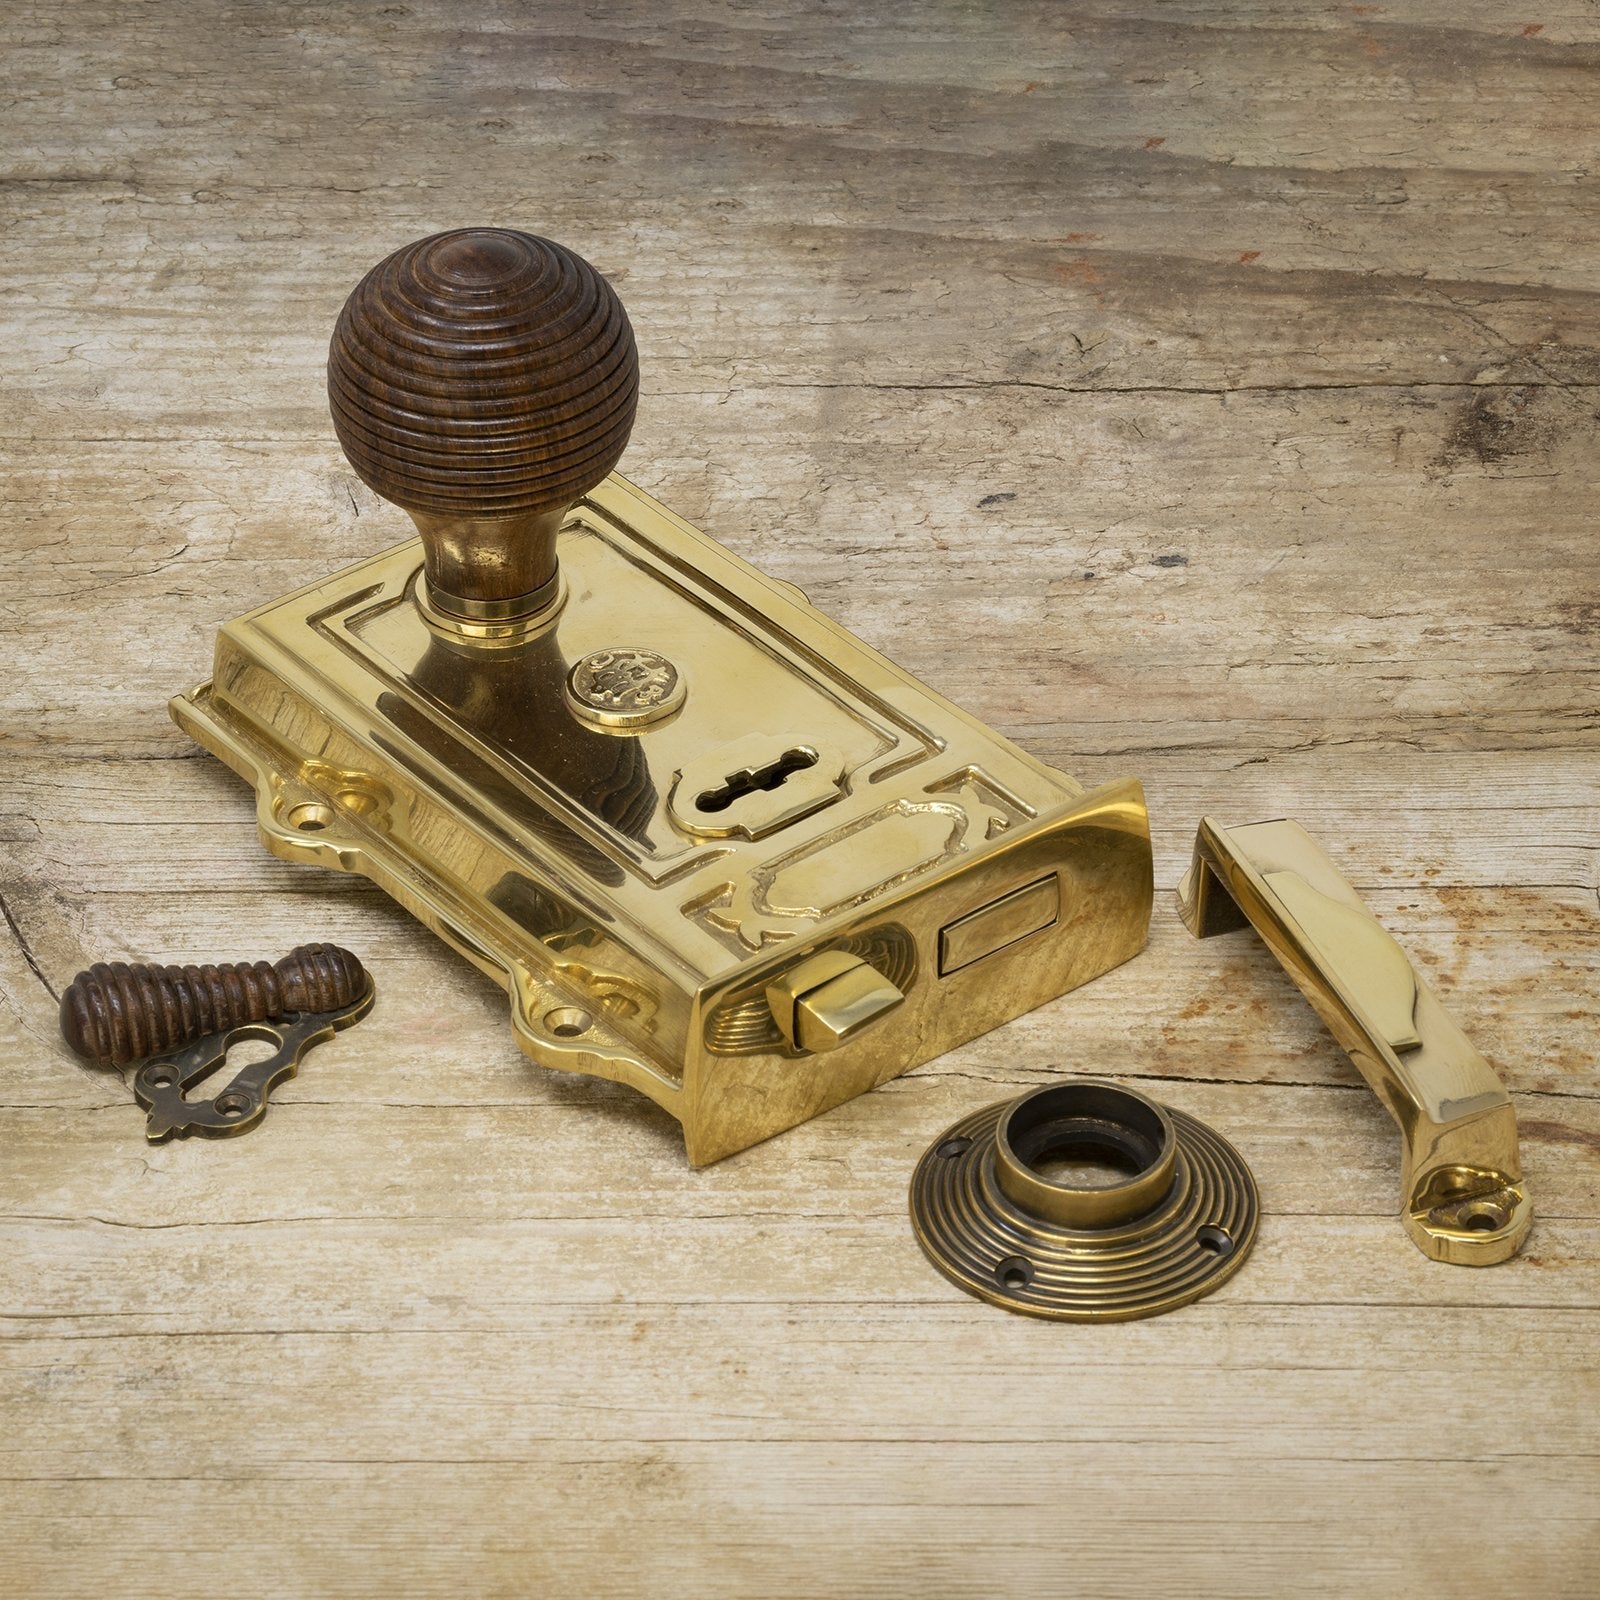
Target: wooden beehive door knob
x,y
484,379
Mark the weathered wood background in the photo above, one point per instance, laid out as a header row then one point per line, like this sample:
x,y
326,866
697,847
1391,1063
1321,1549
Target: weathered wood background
x,y
1205,391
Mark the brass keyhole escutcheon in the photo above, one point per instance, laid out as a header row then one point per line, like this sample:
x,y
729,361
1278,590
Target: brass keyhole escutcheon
x,y
747,780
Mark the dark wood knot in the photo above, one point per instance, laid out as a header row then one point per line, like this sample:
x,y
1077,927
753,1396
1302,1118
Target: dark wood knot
x,y
484,373
116,1013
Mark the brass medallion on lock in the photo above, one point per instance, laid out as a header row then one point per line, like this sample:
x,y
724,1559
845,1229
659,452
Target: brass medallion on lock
x,y
713,846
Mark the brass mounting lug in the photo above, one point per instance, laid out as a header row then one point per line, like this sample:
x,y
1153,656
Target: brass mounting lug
x,y
1463,1198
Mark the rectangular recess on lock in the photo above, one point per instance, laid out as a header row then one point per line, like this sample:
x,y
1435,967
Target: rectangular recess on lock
x,y
510,704
1000,924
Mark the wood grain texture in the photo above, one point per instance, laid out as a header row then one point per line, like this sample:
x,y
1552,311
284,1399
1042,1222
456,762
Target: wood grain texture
x,y
484,372
1203,391
116,1012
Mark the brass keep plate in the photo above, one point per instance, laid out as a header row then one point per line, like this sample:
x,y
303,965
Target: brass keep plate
x,y
992,1218
1463,1199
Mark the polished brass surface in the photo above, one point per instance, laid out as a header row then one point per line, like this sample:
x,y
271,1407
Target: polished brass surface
x,y
643,802
755,786
1462,1195
625,689
161,1086
996,1214
553,854
1002,922
827,999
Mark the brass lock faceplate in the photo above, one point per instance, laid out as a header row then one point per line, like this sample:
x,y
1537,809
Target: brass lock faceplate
x,y
621,771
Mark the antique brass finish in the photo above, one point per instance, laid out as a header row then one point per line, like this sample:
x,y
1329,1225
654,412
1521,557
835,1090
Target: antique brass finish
x,y
659,795
160,1086
1462,1195
993,1212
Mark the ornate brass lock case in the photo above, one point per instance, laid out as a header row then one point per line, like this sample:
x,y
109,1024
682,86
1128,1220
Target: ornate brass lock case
x,y
713,846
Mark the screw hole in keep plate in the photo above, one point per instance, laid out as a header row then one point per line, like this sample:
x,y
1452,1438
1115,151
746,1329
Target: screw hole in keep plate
x,y
951,1148
1215,1241
310,816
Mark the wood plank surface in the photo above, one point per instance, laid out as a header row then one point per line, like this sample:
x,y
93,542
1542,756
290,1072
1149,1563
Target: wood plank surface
x,y
1202,391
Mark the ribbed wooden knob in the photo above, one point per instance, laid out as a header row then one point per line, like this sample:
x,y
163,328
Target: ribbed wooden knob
x,y
483,373
116,1013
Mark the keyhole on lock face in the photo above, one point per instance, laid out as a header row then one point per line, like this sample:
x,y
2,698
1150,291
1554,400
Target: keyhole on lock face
x,y
747,780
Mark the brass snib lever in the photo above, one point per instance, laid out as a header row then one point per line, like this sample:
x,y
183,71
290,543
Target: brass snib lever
x,y
1463,1199
713,846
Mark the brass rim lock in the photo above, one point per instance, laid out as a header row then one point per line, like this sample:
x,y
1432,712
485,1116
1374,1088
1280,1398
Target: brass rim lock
x,y
647,789
1001,1207
1462,1195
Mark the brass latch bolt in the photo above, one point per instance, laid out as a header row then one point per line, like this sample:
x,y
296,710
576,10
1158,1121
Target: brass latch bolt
x,y
829,998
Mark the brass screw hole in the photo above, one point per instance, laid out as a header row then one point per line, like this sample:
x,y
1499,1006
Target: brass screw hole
x,y
568,1022
311,816
1215,1241
951,1148
1015,1272
161,1077
1485,1218
233,1106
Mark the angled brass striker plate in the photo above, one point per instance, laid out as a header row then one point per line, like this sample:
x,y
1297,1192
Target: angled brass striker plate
x,y
1462,1195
